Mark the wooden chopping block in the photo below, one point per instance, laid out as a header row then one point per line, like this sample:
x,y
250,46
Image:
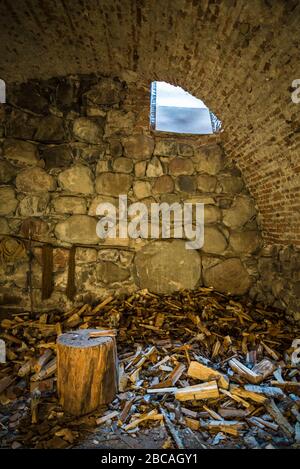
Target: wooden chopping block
x,y
87,370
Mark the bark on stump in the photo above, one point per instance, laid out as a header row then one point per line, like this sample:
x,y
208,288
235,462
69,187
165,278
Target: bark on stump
x,y
87,373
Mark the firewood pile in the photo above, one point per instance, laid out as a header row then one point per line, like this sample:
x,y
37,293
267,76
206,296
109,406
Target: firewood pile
x,y
222,370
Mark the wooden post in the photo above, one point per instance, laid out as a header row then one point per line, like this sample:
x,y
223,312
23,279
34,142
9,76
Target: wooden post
x,y
87,370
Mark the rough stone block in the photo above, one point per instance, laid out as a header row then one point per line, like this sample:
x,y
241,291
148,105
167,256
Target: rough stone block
x,y
87,130
167,266
34,205
8,201
108,272
163,184
209,159
181,166
214,240
80,229
71,205
78,178
206,183
123,165
57,156
166,148
154,168
35,180
21,152
229,276
142,189
138,147
187,184
113,184
107,92
245,242
240,212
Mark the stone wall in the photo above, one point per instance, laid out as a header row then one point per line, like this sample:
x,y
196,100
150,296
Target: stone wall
x,y
70,143
279,279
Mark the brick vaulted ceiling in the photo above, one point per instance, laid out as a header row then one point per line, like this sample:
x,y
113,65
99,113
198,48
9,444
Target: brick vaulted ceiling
x,y
239,56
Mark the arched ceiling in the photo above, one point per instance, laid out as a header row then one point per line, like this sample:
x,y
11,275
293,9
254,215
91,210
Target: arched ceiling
x,y
239,56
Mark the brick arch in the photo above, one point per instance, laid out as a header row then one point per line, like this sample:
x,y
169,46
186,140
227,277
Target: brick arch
x,y
240,57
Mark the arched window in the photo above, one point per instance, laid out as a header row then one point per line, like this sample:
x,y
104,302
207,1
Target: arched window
x,y
174,110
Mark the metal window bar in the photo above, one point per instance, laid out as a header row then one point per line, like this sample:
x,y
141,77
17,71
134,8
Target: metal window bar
x,y
153,104
215,123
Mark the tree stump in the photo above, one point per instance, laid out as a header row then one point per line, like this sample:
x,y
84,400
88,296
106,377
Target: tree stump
x,y
87,373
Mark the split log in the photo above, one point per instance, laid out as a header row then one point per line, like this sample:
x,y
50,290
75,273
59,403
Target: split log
x,y
204,373
268,391
192,423
236,398
189,413
42,360
243,371
264,369
125,412
35,399
47,371
289,386
152,415
6,382
172,429
244,394
25,368
106,417
280,419
199,391
232,413
87,375
231,427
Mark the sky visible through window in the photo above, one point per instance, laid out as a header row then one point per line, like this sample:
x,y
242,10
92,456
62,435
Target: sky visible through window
x,y
176,110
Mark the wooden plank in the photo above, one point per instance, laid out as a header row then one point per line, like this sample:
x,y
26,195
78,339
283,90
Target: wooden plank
x,y
289,386
26,368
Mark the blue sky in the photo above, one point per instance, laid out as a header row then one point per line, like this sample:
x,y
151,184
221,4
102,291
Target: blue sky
x,y
170,95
